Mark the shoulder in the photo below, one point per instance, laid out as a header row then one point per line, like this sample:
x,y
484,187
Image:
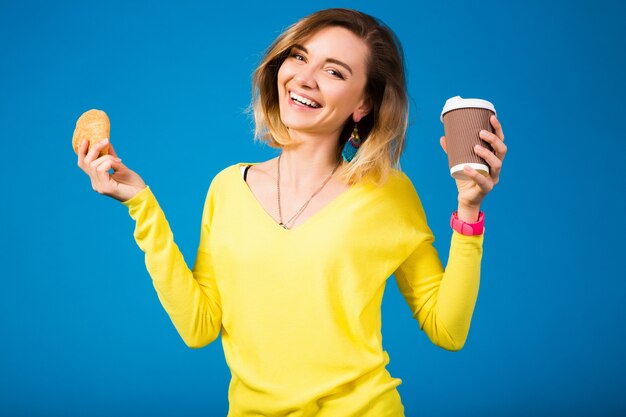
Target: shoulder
x,y
265,167
222,184
399,178
233,170
394,205
224,179
407,204
224,174
232,173
398,183
399,191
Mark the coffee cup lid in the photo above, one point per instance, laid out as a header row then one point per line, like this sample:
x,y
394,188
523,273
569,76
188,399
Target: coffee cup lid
x,y
458,102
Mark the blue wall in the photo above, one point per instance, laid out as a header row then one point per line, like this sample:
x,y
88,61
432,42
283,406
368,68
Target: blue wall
x,y
83,332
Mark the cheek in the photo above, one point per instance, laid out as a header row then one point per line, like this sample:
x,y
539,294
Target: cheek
x,y
284,73
346,99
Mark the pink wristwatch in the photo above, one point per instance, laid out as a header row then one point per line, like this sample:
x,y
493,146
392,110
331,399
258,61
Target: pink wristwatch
x,y
468,229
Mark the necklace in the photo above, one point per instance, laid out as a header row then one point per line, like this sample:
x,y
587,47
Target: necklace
x,y
295,216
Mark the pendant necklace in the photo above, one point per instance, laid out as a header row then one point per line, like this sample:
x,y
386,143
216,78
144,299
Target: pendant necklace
x,y
295,216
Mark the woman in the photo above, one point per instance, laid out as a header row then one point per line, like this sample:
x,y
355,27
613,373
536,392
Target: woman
x,y
295,251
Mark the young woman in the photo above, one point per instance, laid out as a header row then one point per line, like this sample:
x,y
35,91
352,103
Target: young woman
x,y
295,251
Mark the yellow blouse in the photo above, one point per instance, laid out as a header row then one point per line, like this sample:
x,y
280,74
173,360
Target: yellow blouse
x,y
300,309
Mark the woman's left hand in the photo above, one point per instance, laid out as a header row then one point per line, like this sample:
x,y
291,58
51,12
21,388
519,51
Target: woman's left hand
x,y
473,191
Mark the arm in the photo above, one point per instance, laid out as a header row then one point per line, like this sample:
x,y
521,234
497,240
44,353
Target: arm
x,y
441,300
190,298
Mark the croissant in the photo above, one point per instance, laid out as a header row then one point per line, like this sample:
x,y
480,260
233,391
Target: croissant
x,y
93,125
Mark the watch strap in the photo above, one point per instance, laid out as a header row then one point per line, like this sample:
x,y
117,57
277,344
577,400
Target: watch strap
x,y
465,228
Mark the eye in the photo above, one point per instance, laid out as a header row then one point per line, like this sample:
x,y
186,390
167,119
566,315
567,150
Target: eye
x,y
297,56
335,73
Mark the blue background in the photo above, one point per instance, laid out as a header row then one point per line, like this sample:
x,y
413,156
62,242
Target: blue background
x,y
83,333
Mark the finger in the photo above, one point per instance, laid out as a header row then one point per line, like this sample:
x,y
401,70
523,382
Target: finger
x,y
82,148
81,151
93,174
442,142
488,156
484,182
497,127
102,176
104,182
94,165
498,146
492,160
94,151
112,151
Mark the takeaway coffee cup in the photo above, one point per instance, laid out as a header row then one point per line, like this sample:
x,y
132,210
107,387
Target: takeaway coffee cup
x,y
463,119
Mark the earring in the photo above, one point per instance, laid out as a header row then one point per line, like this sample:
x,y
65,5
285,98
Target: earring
x,y
352,145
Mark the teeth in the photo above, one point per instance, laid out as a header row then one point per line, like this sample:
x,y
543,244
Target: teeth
x,y
304,100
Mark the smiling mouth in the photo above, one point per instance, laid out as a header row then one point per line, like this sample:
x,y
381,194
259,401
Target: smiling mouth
x,y
303,100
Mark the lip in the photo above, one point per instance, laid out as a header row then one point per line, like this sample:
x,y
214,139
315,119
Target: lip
x,y
297,105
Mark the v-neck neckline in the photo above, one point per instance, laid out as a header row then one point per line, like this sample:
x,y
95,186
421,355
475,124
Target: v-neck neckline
x,y
315,217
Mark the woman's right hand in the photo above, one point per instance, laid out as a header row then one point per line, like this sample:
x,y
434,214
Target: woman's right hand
x,y
122,185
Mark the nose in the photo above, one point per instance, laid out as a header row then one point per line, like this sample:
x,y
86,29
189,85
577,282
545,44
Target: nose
x,y
305,77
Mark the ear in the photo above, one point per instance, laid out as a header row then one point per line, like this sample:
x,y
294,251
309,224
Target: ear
x,y
362,110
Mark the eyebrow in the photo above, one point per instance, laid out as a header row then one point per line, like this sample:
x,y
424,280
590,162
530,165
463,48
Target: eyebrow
x,y
331,60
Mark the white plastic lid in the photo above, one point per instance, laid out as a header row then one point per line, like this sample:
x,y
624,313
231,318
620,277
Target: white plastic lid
x,y
458,102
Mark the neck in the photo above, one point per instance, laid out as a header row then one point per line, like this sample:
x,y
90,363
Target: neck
x,y
307,162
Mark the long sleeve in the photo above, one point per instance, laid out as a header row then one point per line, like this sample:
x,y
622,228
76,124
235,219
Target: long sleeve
x,y
441,300
190,297
301,308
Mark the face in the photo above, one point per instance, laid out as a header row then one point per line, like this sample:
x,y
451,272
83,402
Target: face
x,y
321,83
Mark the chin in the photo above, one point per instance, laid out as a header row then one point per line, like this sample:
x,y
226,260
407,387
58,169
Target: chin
x,y
298,122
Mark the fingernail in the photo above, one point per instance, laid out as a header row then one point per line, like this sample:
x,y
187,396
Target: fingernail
x,y
104,141
119,159
483,133
477,147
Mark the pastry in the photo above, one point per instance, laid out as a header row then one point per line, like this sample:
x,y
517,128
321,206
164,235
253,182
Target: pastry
x,y
93,125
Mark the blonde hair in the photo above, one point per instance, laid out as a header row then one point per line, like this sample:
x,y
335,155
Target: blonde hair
x,y
382,130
